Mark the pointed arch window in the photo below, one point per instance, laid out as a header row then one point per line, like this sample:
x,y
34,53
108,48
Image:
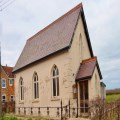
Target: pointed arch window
x,y
35,86
55,81
21,89
80,46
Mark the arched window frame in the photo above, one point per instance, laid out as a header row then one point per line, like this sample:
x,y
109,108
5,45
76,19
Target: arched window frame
x,y
21,89
3,84
35,86
55,81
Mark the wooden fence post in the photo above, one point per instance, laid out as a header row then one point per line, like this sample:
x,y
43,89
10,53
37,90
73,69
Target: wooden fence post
x,y
61,109
77,109
39,111
69,108
24,111
31,111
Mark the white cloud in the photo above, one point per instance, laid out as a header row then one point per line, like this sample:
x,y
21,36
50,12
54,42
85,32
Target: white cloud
x,y
115,81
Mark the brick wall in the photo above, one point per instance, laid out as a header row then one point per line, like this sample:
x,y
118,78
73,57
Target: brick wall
x,y
9,90
8,107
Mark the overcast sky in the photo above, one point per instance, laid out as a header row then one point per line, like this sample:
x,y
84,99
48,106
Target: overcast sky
x,y
23,18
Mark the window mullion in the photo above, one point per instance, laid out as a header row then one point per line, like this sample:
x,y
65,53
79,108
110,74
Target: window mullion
x,y
56,85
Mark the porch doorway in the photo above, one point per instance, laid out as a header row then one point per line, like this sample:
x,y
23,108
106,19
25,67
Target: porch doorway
x,y
84,97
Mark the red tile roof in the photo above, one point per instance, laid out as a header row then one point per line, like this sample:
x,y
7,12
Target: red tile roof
x,y
87,68
8,71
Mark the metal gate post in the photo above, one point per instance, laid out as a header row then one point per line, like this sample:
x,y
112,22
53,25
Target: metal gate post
x,y
61,109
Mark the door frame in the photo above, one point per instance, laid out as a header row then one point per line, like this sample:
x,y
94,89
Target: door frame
x,y
84,94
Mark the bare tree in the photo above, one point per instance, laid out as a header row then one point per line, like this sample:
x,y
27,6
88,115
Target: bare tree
x,y
100,110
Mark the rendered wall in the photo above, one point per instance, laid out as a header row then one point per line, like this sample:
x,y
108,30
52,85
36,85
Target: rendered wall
x,y
94,90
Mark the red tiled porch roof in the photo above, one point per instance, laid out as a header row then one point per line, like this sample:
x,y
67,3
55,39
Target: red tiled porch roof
x,y
87,68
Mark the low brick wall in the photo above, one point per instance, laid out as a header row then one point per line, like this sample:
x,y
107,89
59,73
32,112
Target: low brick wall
x,y
8,107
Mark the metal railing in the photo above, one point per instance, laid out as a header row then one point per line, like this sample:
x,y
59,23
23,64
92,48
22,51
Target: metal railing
x,y
94,111
61,112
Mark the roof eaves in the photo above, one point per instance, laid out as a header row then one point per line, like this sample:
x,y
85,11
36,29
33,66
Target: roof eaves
x,y
14,71
75,26
94,67
86,32
99,71
84,78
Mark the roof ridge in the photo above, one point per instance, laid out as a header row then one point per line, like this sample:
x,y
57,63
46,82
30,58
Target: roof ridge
x,y
89,60
7,66
70,11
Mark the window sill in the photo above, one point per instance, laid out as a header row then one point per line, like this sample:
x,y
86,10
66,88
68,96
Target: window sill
x,y
21,102
55,98
35,101
3,87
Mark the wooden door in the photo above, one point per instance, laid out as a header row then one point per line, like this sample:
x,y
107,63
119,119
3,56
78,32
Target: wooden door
x,y
84,96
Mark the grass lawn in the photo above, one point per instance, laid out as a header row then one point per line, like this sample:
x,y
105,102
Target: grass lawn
x,y
112,97
22,118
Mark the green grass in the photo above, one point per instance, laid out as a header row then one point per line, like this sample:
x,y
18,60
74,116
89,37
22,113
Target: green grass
x,y
15,118
9,118
112,97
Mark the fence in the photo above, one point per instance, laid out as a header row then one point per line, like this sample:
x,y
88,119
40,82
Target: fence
x,y
60,112
95,111
42,111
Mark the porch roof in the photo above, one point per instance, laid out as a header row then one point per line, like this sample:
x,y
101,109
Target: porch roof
x,y
87,68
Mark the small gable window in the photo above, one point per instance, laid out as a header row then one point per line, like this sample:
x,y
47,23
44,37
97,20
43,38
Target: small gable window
x,y
3,83
21,89
35,86
55,81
